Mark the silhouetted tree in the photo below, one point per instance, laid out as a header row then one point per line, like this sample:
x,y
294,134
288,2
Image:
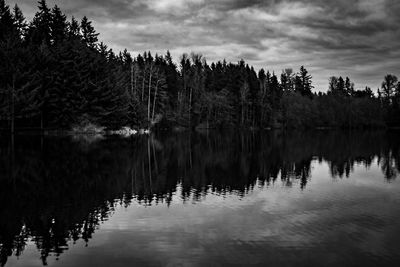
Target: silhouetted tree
x,y
89,34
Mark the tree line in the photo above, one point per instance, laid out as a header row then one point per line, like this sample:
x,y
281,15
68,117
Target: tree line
x,y
56,74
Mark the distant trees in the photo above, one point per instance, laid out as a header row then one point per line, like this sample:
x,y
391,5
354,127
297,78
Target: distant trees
x,y
388,86
347,107
55,73
390,96
303,82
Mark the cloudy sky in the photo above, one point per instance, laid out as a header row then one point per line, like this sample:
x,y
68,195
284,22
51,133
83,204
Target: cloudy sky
x,y
359,39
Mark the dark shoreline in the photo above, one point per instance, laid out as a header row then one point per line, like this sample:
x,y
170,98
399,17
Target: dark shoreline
x,y
58,132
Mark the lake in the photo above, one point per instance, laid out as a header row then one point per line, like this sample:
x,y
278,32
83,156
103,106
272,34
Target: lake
x,y
319,198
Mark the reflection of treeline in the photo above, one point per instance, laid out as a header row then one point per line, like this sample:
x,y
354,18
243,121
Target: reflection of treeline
x,y
55,190
55,74
49,193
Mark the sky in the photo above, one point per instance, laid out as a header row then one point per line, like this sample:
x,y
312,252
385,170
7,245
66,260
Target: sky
x,y
359,39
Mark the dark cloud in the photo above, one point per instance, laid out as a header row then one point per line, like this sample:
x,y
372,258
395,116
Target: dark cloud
x,y
352,38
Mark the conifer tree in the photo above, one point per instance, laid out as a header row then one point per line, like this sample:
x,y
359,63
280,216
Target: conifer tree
x,y
388,86
349,87
58,25
7,22
89,34
341,86
305,78
18,97
20,21
74,30
40,28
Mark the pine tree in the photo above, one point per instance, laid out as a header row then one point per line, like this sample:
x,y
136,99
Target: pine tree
x,y
58,25
18,99
10,44
65,96
244,94
89,34
349,87
298,84
289,77
172,77
306,86
45,63
74,30
40,28
111,101
275,89
388,86
7,22
20,21
341,86
333,85
264,98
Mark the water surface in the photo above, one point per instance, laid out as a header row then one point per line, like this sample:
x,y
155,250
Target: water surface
x,y
201,199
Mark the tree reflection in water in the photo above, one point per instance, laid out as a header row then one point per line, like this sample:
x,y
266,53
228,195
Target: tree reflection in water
x,y
55,190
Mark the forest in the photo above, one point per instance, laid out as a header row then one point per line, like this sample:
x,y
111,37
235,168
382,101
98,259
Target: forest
x,y
56,74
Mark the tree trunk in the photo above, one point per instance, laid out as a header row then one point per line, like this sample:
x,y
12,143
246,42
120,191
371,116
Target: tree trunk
x,y
12,105
135,82
179,102
144,77
131,79
155,157
208,118
41,121
149,97
242,113
253,117
154,101
12,162
190,107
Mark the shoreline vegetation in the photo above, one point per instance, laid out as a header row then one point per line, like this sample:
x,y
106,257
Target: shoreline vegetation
x,y
55,74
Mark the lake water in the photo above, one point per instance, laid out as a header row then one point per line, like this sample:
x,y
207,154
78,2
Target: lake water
x,y
201,199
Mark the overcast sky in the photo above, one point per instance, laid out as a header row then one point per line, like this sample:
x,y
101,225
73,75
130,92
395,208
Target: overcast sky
x,y
359,39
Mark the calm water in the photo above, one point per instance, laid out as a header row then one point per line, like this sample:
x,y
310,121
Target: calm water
x,y
306,199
